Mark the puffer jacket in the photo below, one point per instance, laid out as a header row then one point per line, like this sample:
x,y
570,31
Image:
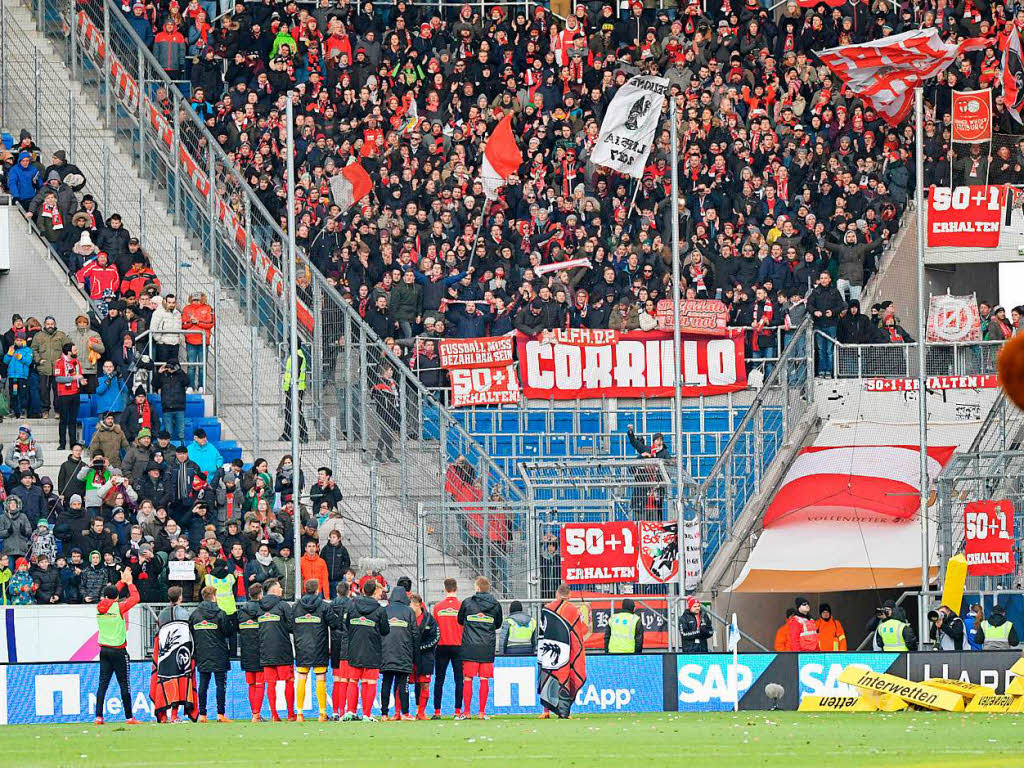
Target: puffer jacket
x,y
110,440
47,349
367,623
275,622
340,606
429,635
400,646
481,618
92,582
211,630
15,531
311,619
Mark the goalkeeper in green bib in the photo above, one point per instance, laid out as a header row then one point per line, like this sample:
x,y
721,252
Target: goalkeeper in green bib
x,y
112,618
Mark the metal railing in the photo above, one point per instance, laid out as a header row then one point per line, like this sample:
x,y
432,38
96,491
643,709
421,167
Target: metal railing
x,y
785,397
859,361
237,242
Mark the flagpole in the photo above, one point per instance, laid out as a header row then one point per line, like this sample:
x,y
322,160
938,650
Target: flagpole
x,y
479,232
922,356
677,393
293,327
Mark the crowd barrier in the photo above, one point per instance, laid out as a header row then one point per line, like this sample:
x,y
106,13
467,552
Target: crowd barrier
x,y
657,682
55,633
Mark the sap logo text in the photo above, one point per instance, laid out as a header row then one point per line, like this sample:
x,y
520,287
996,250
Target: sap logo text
x,y
699,684
605,698
816,680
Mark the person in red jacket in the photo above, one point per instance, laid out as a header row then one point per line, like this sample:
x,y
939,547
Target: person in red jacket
x,y
67,371
803,630
197,317
112,618
103,281
449,646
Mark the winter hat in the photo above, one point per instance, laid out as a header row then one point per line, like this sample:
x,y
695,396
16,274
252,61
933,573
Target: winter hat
x,y
117,510
53,176
824,607
153,466
45,480
802,601
61,155
691,601
144,432
75,497
95,552
20,562
140,391
42,523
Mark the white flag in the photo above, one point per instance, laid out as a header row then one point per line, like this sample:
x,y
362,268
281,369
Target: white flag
x,y
734,635
630,123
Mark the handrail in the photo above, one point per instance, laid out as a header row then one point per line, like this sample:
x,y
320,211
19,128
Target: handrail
x,y
145,55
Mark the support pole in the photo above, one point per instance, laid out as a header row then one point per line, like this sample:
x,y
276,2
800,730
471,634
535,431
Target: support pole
x,y
677,346
35,94
293,328
922,352
254,345
106,69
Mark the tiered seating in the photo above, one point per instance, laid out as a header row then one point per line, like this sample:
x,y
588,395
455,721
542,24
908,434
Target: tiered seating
x,y
195,417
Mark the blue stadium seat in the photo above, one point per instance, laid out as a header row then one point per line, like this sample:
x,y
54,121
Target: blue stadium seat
x,y
211,427
563,421
537,422
88,428
659,421
431,427
195,407
229,450
558,446
483,422
690,420
508,422
501,445
530,446
590,422
86,407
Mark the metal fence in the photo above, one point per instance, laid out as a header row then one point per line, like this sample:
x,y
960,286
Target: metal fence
x,y
232,241
860,361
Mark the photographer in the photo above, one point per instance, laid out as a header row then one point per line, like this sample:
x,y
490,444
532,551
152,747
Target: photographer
x,y
893,634
947,629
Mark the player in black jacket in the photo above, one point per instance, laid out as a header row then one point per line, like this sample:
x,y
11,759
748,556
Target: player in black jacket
x,y
276,647
481,618
366,624
340,670
423,665
311,619
249,648
398,654
211,632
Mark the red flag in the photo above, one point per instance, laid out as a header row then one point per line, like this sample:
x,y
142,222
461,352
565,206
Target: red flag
x,y
350,186
885,72
1013,75
816,3
501,158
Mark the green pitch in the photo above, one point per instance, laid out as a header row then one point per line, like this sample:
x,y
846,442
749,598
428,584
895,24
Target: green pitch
x,y
746,739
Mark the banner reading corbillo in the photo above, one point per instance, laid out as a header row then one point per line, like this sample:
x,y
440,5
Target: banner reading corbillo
x,y
594,363
481,370
629,125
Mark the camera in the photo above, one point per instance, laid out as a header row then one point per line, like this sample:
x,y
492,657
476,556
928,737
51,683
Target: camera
x,y
97,463
933,616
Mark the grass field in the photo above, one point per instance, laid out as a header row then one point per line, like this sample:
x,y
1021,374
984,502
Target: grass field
x,y
709,740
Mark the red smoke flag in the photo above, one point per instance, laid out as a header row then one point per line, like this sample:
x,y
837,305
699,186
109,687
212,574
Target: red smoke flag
x,y
885,72
1013,75
501,159
350,186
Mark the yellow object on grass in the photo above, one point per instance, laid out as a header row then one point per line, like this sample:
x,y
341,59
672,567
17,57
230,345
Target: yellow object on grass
x,y
913,693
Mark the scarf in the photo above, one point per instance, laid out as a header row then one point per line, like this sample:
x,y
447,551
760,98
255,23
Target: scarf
x,y
27,448
52,212
762,316
895,337
697,274
264,560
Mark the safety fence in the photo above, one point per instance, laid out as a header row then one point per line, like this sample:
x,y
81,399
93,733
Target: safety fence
x,y
867,361
619,684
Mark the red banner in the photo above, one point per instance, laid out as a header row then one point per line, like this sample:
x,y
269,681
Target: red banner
x,y
707,317
481,370
988,537
972,116
606,553
597,608
965,217
984,381
636,364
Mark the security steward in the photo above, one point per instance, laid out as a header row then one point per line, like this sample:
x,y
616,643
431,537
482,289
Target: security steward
x,y
311,620
249,649
519,635
286,385
1000,634
211,630
895,635
624,632
275,621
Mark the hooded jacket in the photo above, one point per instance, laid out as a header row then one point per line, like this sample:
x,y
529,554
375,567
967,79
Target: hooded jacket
x,y
249,636
15,530
400,646
340,606
124,606
211,629
311,619
92,582
275,622
481,618
367,623
429,635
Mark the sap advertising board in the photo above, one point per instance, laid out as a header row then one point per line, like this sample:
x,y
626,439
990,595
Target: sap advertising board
x,y
65,692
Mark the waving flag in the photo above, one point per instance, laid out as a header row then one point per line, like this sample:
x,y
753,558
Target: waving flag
x,y
1013,75
172,681
350,186
629,125
885,72
816,3
501,159
561,655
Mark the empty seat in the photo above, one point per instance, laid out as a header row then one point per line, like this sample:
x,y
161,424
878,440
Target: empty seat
x,y
229,450
508,422
563,421
537,422
501,445
483,423
659,421
195,407
530,446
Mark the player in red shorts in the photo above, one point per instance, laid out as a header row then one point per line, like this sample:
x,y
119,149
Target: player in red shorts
x,y
423,663
276,655
249,649
341,673
365,625
481,618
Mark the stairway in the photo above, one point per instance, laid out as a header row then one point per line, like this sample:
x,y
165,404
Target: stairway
x,y
249,401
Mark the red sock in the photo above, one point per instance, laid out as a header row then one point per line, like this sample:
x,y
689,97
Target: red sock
x,y
485,688
271,684
336,696
467,694
369,693
289,696
352,698
256,697
421,703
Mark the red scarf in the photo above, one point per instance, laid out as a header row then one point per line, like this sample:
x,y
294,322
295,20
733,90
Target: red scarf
x,y
894,335
761,319
52,212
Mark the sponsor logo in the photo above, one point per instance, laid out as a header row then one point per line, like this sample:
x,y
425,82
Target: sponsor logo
x,y
710,684
205,625
307,619
361,621
448,612
249,624
269,617
398,622
480,618
819,672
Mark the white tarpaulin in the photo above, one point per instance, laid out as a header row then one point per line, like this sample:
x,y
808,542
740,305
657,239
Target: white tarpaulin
x,y
630,124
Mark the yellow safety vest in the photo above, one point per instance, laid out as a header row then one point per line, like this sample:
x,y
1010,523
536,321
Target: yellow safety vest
x,y
225,592
520,635
996,638
891,632
623,637
287,381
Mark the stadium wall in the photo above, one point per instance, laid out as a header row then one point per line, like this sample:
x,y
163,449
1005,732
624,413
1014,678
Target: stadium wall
x,y
65,693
